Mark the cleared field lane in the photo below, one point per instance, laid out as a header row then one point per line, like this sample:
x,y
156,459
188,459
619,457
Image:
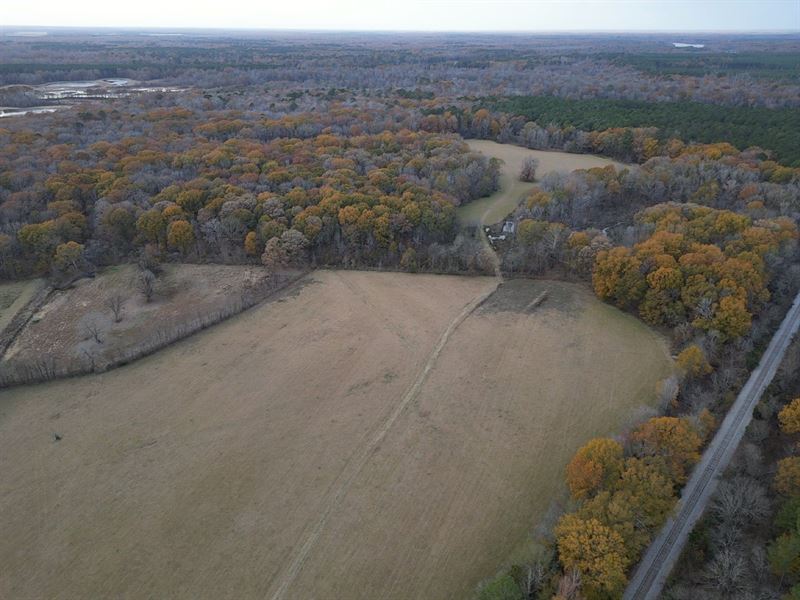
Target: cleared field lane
x,y
493,208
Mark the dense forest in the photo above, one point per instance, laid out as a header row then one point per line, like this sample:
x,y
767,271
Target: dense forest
x,y
703,245
450,65
352,182
749,542
195,184
774,129
771,65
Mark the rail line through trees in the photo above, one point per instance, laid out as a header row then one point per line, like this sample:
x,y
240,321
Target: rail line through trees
x,y
649,577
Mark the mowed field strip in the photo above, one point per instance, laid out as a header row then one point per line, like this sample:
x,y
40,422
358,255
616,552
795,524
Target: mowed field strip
x,y
495,207
295,430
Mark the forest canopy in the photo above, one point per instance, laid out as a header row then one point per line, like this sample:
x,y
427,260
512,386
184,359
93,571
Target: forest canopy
x,y
775,129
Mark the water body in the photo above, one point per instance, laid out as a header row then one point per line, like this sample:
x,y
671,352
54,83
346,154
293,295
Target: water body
x,y
13,111
59,91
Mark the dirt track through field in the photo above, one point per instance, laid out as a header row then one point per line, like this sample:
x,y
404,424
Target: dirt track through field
x,y
355,467
362,436
509,398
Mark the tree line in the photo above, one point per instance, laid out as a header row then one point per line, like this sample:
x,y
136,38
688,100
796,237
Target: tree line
x,y
748,543
777,129
731,238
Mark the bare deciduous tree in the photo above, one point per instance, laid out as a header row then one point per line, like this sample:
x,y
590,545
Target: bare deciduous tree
x,y
146,284
740,500
727,573
667,392
569,585
94,331
90,357
528,171
535,576
150,259
115,304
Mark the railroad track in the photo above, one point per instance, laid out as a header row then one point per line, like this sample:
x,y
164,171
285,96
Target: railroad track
x,y
652,572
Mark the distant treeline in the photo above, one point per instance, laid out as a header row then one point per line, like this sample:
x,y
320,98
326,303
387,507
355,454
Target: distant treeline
x,y
780,65
777,130
738,72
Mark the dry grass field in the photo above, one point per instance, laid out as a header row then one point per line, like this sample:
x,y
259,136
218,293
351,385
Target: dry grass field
x,y
309,447
62,328
495,207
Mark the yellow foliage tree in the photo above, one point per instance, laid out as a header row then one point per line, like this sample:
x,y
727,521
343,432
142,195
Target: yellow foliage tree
x,y
180,235
692,361
636,504
69,257
789,417
674,439
151,226
594,550
596,463
618,276
707,423
651,493
787,479
732,318
251,243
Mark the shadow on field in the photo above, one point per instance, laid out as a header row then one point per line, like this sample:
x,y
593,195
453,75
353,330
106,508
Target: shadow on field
x,y
516,296
293,290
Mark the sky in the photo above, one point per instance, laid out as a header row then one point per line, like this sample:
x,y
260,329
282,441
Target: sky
x,y
413,15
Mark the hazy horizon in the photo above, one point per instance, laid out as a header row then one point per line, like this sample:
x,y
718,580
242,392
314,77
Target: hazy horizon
x,y
22,29
422,16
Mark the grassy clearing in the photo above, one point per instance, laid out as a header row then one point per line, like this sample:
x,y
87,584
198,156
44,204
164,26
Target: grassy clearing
x,y
199,471
492,209
62,328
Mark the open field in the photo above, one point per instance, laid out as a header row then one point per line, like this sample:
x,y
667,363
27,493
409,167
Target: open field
x,y
296,450
492,209
61,329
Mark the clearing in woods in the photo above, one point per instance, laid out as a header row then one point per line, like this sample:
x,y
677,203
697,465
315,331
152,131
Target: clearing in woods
x,y
61,328
495,207
296,450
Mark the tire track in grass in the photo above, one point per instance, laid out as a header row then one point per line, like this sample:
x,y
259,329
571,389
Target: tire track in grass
x,y
357,462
